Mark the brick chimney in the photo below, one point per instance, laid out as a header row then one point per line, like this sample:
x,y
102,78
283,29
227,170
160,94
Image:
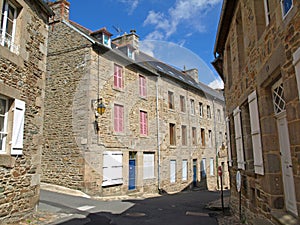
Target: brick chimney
x,y
193,73
61,9
128,39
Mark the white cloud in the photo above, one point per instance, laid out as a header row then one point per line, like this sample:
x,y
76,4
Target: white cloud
x,y
133,4
186,12
216,84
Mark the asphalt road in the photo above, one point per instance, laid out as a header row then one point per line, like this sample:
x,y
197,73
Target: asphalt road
x,y
186,208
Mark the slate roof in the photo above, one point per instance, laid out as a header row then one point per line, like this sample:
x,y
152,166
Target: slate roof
x,y
154,65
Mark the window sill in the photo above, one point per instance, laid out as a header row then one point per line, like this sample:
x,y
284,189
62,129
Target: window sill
x,y
143,98
6,53
173,146
7,161
118,89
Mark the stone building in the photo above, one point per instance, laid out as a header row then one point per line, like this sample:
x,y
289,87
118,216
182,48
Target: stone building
x,y
23,49
151,136
257,54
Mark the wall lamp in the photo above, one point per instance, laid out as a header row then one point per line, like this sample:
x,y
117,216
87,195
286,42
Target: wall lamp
x,y
98,106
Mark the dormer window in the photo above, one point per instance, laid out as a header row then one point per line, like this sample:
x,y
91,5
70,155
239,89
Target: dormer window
x,y
130,52
106,40
103,36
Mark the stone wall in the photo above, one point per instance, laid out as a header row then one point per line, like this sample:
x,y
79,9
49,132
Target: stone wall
x,y
267,57
22,76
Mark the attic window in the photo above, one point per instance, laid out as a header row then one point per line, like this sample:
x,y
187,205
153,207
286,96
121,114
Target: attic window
x,y
130,53
106,40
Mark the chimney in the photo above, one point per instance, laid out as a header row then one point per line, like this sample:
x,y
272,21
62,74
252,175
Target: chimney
x,y
193,73
61,9
128,39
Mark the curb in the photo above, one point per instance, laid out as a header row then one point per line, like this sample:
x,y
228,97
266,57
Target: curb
x,y
63,190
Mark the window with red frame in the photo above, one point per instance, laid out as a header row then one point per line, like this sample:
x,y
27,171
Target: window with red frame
x,y
142,86
118,77
143,123
118,118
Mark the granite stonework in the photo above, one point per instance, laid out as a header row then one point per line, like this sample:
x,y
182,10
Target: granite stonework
x,y
22,77
254,54
81,70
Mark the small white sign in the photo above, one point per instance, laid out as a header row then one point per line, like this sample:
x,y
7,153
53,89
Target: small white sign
x,y
238,181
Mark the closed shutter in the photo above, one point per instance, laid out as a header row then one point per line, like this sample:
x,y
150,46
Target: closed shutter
x,y
112,168
255,134
184,170
173,171
18,128
143,123
228,142
118,118
239,138
148,165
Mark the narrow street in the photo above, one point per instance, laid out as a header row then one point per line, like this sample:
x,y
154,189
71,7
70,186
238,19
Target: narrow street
x,y
186,208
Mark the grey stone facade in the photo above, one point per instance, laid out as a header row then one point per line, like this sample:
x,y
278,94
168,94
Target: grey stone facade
x,y
257,51
22,91
78,140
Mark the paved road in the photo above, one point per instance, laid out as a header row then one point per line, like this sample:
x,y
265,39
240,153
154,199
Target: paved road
x,y
186,208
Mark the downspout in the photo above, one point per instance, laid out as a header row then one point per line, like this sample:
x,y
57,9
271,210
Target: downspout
x,y
158,136
216,144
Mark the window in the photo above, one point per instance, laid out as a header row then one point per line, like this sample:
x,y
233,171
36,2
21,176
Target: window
x,y
106,40
172,134
184,135
192,107
228,142
171,100
296,62
118,118
142,86
130,52
184,170
16,142
112,168
202,136
239,138
3,123
220,139
118,77
255,133
173,171
286,5
203,168
148,165
267,11
182,103
8,26
208,112
201,109
209,138
211,167
143,123
219,115
194,136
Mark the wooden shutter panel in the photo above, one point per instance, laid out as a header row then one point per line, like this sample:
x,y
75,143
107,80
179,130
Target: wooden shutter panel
x,y
18,128
255,134
228,142
112,168
239,138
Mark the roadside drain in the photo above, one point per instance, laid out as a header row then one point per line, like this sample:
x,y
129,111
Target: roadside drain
x,y
135,214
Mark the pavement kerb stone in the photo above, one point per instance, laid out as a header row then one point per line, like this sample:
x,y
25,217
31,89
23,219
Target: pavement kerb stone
x,y
63,190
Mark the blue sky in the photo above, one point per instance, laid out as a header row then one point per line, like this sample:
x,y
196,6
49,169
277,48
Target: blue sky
x,y
179,32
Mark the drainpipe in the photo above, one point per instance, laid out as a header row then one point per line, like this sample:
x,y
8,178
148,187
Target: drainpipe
x,y
158,136
216,144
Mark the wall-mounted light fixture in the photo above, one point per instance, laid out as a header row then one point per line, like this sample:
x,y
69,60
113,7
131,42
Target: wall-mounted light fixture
x,y
98,107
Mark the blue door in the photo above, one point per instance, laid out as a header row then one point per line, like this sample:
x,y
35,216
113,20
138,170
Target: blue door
x,y
194,172
131,185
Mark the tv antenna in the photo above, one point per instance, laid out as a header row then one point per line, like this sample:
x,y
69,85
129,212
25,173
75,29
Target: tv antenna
x,y
118,29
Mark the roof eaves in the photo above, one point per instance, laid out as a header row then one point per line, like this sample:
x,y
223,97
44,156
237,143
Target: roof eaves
x,y
45,7
79,31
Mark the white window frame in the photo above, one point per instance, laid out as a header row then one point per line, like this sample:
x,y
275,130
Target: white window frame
x,y
201,109
148,159
192,101
172,171
184,170
4,40
3,133
112,168
267,11
296,63
282,8
256,134
239,138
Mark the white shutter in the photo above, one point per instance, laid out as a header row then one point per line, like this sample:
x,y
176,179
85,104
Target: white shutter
x,y
238,138
112,168
18,128
148,165
184,169
296,62
173,171
228,142
255,134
